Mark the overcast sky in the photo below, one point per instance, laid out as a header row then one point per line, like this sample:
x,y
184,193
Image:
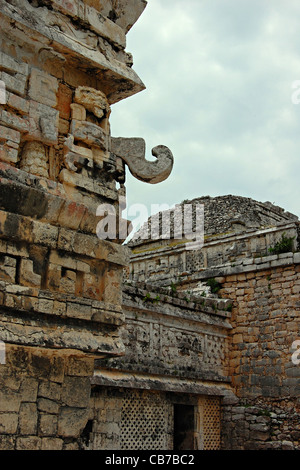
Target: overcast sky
x,y
219,77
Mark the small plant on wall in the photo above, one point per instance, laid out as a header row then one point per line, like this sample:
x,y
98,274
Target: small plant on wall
x,y
284,245
214,285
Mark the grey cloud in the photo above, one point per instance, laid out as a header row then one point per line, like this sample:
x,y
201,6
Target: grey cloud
x,y
218,77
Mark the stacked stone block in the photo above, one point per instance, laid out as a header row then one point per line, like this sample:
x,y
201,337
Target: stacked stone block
x,y
62,65
44,399
265,320
238,260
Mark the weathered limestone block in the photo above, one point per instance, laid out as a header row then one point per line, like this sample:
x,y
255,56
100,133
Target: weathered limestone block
x,y
124,13
8,154
71,215
76,391
78,112
64,100
68,282
27,275
47,406
9,144
10,400
52,443
43,88
9,423
13,65
15,83
16,102
18,123
105,27
43,123
68,8
71,421
28,418
93,286
8,269
48,427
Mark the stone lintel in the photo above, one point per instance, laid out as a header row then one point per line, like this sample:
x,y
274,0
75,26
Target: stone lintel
x,y
137,380
29,332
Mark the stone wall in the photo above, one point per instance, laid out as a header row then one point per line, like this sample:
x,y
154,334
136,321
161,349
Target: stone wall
x,y
261,424
265,321
176,353
130,420
62,65
59,281
164,262
44,398
262,285
141,419
173,335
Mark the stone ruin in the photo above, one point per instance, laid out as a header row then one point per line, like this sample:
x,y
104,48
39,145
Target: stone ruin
x,y
246,279
63,64
105,346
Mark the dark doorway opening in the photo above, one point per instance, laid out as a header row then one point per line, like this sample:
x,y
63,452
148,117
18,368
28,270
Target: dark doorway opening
x,y
184,427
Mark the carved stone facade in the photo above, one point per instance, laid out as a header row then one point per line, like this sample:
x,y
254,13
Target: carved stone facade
x,y
151,346
250,260
62,65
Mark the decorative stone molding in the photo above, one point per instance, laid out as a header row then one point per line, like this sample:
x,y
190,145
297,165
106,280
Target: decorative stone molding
x,y
132,151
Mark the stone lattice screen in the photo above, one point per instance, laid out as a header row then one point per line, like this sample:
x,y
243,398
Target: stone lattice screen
x,y
209,425
145,422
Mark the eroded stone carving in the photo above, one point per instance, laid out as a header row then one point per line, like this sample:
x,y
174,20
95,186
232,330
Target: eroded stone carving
x,y
76,156
34,159
93,100
132,151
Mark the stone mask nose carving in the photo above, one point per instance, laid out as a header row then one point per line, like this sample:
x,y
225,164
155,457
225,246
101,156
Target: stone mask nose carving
x,y
133,150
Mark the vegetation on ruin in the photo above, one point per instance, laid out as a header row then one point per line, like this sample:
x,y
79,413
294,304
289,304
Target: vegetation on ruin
x,y
214,285
284,245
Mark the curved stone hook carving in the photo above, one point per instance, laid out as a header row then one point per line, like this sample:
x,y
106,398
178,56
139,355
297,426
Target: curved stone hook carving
x,y
132,151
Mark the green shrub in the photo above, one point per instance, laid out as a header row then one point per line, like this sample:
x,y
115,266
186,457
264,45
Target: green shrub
x,y
285,245
214,285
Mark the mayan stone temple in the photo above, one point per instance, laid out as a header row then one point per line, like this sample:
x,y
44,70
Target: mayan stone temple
x,y
142,346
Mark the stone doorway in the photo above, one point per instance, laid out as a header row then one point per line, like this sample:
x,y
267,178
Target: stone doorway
x,y
184,427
